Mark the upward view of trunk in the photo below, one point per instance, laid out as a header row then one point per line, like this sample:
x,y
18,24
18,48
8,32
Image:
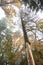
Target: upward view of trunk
x,y
30,58
8,7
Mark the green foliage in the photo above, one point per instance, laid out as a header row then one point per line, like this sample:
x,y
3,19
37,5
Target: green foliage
x,y
41,53
38,57
26,1
40,25
24,62
33,4
5,48
6,53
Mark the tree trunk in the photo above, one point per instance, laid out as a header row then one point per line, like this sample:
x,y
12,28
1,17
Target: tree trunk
x,y
31,59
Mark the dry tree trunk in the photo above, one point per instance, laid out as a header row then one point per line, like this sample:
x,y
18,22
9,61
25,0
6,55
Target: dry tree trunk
x,y
29,53
27,46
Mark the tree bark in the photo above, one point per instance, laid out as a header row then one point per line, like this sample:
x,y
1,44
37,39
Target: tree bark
x,y
31,59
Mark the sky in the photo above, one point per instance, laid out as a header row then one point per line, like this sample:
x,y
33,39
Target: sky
x,y
2,13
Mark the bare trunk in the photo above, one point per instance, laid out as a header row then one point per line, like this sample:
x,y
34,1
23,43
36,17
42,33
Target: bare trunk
x,y
31,59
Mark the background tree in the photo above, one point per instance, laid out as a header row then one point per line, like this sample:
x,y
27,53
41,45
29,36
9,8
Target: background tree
x,y
6,50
